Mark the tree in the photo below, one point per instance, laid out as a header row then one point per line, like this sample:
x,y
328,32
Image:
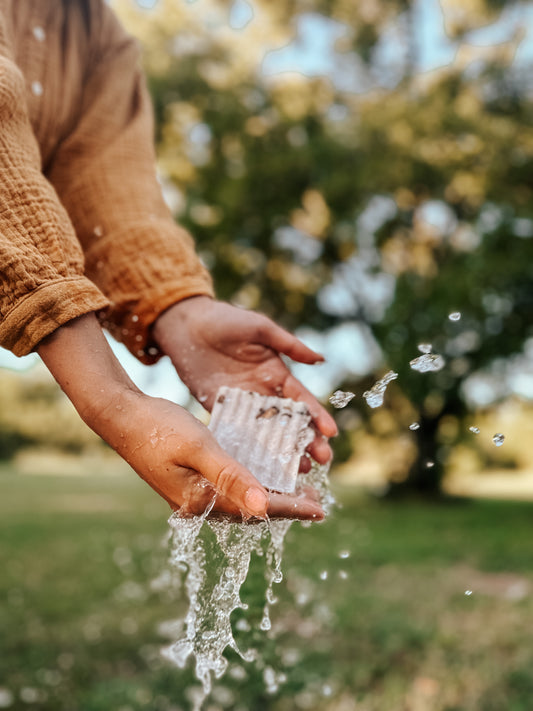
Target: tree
x,y
388,207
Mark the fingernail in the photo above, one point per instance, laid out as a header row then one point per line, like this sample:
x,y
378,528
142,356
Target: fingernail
x,y
256,502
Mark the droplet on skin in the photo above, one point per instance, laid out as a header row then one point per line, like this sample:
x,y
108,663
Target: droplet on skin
x,y
98,231
37,88
340,398
455,316
498,439
414,426
474,430
39,34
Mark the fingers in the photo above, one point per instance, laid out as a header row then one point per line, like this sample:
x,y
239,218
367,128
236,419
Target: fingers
x,y
323,421
300,507
320,450
281,341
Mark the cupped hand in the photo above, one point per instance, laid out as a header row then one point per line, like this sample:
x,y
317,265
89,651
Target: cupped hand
x,y
212,343
168,447
181,460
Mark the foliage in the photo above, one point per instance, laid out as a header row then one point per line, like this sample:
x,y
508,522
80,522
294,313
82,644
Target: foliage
x,y
35,413
387,208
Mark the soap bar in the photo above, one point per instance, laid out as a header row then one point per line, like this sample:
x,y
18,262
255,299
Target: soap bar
x,y
266,434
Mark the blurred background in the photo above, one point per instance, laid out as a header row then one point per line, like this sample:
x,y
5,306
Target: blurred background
x,y
359,171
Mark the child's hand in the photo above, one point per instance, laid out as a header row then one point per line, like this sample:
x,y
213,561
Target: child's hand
x,y
169,448
181,460
212,343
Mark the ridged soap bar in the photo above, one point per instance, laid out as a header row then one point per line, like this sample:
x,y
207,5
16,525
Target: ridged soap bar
x,y
266,434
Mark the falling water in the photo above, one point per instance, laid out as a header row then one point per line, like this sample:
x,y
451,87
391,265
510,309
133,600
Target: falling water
x,y
340,398
212,556
374,397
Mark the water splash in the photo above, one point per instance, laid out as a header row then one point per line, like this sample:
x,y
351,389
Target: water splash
x,y
498,439
425,347
428,363
374,397
211,557
340,398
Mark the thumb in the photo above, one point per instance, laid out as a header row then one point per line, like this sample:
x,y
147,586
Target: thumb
x,y
231,479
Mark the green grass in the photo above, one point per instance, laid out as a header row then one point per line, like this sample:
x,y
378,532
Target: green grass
x,y
390,627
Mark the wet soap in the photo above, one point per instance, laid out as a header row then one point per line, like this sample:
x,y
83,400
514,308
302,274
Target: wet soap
x,y
265,433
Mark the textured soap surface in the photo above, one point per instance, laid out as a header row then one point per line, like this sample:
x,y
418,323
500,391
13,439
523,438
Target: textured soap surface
x,y
265,433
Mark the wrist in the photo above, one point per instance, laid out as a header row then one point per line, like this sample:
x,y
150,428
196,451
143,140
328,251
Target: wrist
x,y
82,362
178,315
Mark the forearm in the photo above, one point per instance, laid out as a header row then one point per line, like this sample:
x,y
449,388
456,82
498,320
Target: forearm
x,y
81,360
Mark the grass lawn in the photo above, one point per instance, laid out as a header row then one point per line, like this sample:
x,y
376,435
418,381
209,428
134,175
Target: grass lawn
x,y
432,610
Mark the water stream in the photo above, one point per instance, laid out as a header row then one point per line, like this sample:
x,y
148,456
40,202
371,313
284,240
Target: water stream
x,y
211,556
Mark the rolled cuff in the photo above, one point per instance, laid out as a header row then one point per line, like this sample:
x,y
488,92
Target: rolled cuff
x,y
45,309
132,324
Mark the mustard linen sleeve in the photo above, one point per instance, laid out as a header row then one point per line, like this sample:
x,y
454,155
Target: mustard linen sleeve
x,y
42,285
105,175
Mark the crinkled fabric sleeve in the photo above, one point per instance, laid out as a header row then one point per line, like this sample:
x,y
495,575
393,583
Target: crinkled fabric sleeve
x,y
42,282
106,176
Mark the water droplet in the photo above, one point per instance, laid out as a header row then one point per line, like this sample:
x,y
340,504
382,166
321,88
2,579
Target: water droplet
x,y
343,575
474,430
327,690
344,554
498,439
425,347
430,464
265,624
375,396
39,34
428,363
243,625
98,231
37,88
414,426
134,318
455,316
323,575
468,592
340,398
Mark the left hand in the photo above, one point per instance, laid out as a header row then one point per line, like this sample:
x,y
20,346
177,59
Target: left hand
x,y
212,343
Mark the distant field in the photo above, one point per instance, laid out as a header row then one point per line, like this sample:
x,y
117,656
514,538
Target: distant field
x,y
431,611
